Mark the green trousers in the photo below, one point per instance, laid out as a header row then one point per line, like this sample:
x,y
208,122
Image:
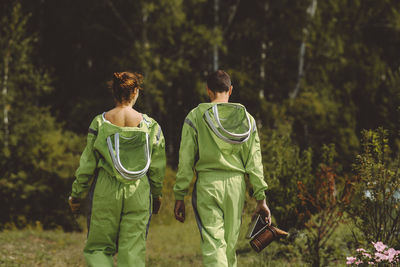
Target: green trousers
x,y
218,200
118,220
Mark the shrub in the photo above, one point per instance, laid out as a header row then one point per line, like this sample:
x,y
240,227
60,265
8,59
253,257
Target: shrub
x,y
375,209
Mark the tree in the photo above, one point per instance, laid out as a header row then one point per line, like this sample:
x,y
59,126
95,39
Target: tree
x,y
15,48
347,66
39,159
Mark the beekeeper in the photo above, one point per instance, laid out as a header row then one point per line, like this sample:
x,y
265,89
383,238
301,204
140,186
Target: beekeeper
x,y
220,143
121,170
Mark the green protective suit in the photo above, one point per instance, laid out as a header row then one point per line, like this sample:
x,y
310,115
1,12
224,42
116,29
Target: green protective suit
x,y
120,209
220,161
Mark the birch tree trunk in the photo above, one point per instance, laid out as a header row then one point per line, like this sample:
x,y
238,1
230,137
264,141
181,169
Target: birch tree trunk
x,y
263,57
5,96
121,19
215,48
311,12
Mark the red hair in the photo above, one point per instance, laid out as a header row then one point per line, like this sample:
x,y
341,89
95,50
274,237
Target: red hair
x,y
124,86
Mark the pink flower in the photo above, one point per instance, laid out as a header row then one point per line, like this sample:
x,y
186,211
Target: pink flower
x,y
381,257
391,252
366,255
379,246
350,260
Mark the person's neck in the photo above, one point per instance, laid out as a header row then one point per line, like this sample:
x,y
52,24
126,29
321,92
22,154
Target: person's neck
x,y
125,106
220,100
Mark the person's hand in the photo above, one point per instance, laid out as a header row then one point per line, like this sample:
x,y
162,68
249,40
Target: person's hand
x,y
179,210
156,204
263,210
74,204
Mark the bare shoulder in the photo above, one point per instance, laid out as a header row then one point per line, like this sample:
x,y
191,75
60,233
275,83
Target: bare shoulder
x,y
132,118
124,117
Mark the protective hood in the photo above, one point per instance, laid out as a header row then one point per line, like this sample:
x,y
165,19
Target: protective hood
x,y
230,122
126,149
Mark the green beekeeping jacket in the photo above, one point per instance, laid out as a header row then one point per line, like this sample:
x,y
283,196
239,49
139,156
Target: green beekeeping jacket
x,y
202,151
96,154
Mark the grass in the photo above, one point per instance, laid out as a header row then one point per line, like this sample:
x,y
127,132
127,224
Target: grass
x,y
35,247
169,243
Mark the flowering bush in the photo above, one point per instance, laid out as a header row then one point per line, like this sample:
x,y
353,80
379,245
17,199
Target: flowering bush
x,y
383,256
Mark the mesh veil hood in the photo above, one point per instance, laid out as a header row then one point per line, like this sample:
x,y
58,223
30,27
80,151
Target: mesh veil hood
x,y
229,122
125,149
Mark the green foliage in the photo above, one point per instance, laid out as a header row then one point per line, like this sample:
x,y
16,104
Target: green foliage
x,y
284,165
323,203
340,243
376,208
350,79
36,176
347,68
40,157
350,82
16,48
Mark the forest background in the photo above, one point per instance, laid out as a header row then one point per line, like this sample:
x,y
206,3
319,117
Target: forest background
x,y
322,79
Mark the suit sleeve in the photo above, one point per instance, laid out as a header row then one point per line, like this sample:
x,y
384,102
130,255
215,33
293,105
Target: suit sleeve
x,y
87,165
254,166
187,154
158,163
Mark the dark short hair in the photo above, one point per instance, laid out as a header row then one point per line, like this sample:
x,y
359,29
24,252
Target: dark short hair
x,y
219,81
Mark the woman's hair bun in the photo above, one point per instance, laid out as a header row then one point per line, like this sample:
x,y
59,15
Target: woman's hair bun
x,y
117,76
124,85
